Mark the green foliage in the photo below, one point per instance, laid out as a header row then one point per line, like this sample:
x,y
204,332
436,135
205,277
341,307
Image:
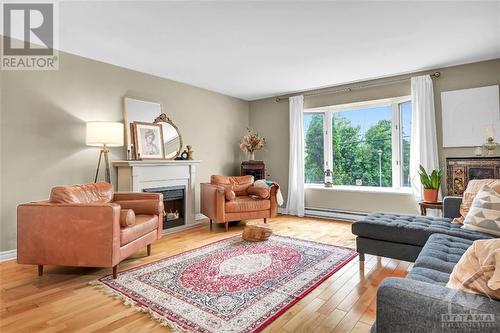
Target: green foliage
x,y
314,151
346,145
354,156
432,181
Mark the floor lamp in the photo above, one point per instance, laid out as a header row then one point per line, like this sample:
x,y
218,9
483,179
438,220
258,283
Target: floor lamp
x,y
104,134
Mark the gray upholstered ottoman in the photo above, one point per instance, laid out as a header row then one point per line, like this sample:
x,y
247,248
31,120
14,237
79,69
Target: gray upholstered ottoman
x,y
401,236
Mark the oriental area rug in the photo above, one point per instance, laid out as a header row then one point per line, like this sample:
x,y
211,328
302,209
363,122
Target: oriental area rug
x,y
228,286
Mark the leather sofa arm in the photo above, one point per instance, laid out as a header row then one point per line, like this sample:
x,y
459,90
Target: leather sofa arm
x,y
126,196
68,234
142,206
451,207
274,201
213,200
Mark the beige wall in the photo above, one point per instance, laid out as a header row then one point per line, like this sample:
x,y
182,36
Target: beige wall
x,y
43,117
270,119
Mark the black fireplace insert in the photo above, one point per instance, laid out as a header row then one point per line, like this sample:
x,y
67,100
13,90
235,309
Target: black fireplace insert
x,y
174,204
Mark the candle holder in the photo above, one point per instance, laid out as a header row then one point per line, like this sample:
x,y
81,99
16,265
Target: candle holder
x,y
490,146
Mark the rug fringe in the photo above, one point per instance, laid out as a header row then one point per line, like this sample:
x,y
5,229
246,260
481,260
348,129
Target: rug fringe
x,y
130,302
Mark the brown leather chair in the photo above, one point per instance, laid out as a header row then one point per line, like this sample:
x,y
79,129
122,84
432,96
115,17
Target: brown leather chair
x,y
87,225
227,199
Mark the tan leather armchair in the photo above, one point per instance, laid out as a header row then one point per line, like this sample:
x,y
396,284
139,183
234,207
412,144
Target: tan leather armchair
x,y
227,199
88,226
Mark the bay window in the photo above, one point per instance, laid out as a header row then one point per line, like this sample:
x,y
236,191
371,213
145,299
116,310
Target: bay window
x,y
364,144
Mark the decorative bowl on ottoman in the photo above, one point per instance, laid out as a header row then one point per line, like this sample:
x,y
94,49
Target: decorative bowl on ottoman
x,y
257,232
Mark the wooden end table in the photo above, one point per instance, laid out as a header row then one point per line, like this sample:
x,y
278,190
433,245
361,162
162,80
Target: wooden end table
x,y
255,168
429,205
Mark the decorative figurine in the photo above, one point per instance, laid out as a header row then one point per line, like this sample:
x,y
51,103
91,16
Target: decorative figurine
x,y
190,152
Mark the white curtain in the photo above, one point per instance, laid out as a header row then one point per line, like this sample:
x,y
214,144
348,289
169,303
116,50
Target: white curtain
x,y
295,201
423,150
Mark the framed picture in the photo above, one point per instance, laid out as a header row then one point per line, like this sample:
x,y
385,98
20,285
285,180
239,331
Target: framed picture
x,y
148,140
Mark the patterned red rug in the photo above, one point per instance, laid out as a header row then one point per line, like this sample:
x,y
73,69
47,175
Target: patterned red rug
x,y
228,286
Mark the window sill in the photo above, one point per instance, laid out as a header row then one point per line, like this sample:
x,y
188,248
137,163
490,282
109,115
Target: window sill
x,y
364,189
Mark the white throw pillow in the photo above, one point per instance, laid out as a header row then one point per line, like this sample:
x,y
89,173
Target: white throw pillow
x,y
478,271
484,214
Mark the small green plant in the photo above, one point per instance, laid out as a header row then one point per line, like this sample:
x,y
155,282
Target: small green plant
x,y
432,181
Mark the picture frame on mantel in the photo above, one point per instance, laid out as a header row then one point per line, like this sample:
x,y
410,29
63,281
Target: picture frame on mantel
x,y
147,111
148,141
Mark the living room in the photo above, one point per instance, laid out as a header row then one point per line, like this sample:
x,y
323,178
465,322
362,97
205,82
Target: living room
x,y
250,166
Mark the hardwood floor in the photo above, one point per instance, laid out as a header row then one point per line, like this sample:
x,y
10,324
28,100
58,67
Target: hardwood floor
x,y
62,300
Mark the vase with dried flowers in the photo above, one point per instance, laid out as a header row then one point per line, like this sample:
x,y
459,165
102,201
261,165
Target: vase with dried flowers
x,y
251,142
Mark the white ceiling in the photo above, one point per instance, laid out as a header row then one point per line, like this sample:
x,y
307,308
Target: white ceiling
x,y
259,49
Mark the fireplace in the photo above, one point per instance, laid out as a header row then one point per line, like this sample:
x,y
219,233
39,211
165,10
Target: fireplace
x,y
166,177
174,205
460,170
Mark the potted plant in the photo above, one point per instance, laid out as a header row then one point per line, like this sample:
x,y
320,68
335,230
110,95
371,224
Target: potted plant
x,y
252,142
431,183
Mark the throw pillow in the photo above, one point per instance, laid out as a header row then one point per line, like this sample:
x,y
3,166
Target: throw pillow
x,y
127,217
473,187
494,282
478,271
230,195
260,192
484,214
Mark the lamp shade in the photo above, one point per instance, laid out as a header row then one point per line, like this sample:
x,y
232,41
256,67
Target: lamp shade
x,y
104,133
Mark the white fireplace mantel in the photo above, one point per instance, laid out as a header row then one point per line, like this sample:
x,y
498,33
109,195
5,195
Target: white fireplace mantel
x,y
135,176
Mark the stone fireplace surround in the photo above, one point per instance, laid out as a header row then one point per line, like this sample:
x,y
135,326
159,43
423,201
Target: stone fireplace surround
x,y
137,176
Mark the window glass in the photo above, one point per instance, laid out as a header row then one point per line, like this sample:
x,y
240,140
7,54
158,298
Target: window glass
x,y
314,147
358,144
362,146
405,112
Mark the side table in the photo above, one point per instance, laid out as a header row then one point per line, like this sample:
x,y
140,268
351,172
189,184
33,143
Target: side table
x,y
429,205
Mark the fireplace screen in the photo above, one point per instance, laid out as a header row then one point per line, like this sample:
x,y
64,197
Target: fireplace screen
x,y
174,205
460,170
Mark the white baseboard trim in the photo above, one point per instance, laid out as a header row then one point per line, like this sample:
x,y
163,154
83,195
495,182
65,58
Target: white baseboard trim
x,y
335,214
8,255
330,214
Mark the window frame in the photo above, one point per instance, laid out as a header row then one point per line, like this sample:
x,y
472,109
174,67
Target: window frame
x,y
397,137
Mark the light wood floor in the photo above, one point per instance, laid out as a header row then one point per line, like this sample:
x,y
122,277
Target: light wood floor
x,y
61,300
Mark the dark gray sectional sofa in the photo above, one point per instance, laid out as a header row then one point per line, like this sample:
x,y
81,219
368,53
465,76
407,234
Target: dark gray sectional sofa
x,y
421,302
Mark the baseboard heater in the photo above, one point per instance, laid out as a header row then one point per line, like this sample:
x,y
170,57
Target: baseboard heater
x,y
342,215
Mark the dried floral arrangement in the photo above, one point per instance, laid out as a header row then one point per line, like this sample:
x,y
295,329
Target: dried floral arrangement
x,y
251,141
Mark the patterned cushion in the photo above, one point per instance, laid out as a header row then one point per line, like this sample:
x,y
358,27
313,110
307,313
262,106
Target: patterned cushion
x,y
484,214
473,187
475,270
409,229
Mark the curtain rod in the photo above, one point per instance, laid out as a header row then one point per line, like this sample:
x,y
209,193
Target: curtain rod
x,y
327,91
